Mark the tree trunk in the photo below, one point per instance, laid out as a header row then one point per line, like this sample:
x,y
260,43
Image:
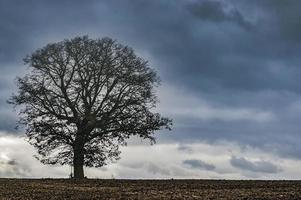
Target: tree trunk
x,y
79,171
78,160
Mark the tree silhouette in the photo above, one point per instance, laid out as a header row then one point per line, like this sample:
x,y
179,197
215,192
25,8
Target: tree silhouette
x,y
82,99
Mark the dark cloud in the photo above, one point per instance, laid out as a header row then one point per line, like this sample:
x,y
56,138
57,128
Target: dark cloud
x,y
232,54
185,148
199,164
8,121
215,11
257,166
8,162
12,162
25,24
12,168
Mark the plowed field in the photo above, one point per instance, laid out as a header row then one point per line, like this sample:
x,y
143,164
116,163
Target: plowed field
x,y
147,189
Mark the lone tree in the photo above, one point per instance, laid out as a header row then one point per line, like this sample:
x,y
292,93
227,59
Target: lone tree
x,y
82,99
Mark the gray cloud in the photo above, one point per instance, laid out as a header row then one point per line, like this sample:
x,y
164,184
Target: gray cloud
x,y
199,164
12,168
257,166
8,162
12,162
8,121
215,11
134,164
151,167
185,148
201,48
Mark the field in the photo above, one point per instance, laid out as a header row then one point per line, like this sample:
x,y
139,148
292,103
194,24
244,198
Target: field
x,y
147,189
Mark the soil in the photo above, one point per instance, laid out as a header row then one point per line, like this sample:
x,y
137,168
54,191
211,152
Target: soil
x,y
147,189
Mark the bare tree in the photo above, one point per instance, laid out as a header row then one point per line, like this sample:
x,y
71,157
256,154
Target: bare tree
x,y
83,98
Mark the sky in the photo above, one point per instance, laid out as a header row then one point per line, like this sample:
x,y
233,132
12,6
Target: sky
x,y
230,81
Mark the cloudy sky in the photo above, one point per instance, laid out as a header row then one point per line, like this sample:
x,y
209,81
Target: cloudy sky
x,y
230,73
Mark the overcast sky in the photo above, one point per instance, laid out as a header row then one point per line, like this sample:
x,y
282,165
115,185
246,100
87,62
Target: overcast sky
x,y
230,73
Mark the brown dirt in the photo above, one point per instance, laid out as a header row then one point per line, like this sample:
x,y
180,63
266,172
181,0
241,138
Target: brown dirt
x,y
147,189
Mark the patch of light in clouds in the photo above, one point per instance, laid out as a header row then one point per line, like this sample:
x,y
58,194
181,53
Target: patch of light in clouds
x,y
155,161
176,102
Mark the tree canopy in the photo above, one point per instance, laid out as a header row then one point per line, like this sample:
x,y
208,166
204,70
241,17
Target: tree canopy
x,y
82,98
